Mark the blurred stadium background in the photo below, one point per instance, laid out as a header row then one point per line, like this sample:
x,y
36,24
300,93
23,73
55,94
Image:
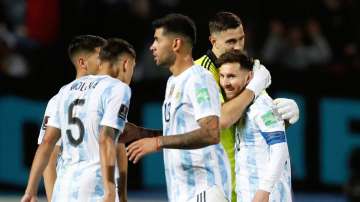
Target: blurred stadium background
x,y
311,48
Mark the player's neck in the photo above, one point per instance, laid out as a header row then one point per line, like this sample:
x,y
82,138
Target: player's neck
x,y
216,53
181,64
80,74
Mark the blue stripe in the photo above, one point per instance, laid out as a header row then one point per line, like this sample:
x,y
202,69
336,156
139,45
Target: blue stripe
x,y
251,164
223,170
187,166
99,189
274,137
74,187
210,171
281,192
167,174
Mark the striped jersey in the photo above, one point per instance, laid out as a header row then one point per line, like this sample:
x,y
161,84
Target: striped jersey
x,y
190,96
85,105
49,112
262,157
227,137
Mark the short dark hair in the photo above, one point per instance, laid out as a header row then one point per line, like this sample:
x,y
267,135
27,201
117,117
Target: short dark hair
x,y
178,24
85,43
114,48
223,21
236,56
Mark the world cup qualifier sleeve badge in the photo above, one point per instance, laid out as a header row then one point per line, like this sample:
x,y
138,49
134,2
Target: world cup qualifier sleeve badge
x,y
202,95
123,111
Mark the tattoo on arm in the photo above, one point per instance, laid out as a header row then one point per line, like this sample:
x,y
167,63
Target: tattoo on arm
x,y
133,132
207,134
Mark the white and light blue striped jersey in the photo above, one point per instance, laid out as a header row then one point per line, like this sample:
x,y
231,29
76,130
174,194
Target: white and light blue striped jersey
x,y
261,154
49,112
190,96
84,106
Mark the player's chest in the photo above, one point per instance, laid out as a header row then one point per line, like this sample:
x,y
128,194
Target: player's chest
x,y
176,102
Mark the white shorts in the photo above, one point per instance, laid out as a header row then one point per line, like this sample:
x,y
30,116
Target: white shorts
x,y
214,194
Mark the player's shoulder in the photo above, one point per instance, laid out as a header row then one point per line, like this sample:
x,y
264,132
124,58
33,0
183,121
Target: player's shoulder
x,y
201,60
264,113
115,85
262,103
206,62
52,102
198,72
53,99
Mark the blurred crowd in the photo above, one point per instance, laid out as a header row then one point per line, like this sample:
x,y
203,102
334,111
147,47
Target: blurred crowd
x,y
306,35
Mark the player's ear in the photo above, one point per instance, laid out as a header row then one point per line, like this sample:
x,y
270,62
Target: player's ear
x,y
124,65
249,76
177,42
81,62
212,39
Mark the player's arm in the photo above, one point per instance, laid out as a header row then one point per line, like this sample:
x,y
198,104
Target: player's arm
x,y
116,107
123,169
207,134
206,110
41,159
278,156
233,110
50,172
108,159
273,131
133,132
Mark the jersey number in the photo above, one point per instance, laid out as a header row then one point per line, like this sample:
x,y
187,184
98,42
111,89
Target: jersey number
x,y
167,111
77,121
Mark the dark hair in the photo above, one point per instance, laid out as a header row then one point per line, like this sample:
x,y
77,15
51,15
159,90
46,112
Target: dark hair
x,y
223,21
114,48
177,24
236,56
85,43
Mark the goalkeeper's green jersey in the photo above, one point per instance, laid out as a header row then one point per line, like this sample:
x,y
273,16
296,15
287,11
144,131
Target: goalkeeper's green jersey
x,y
227,137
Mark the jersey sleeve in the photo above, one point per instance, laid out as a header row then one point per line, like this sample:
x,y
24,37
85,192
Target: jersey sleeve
x,y
54,120
116,107
271,126
50,113
204,96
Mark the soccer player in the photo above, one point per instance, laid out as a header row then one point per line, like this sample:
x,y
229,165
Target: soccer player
x,y
83,51
196,167
262,158
227,33
91,111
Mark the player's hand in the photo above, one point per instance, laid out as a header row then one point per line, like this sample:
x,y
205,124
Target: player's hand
x,y
136,150
261,196
261,79
29,198
288,109
130,133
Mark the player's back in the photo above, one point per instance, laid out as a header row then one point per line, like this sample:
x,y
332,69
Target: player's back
x,y
81,108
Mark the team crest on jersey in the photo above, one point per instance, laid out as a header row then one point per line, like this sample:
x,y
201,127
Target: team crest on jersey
x,y
202,95
123,111
171,90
